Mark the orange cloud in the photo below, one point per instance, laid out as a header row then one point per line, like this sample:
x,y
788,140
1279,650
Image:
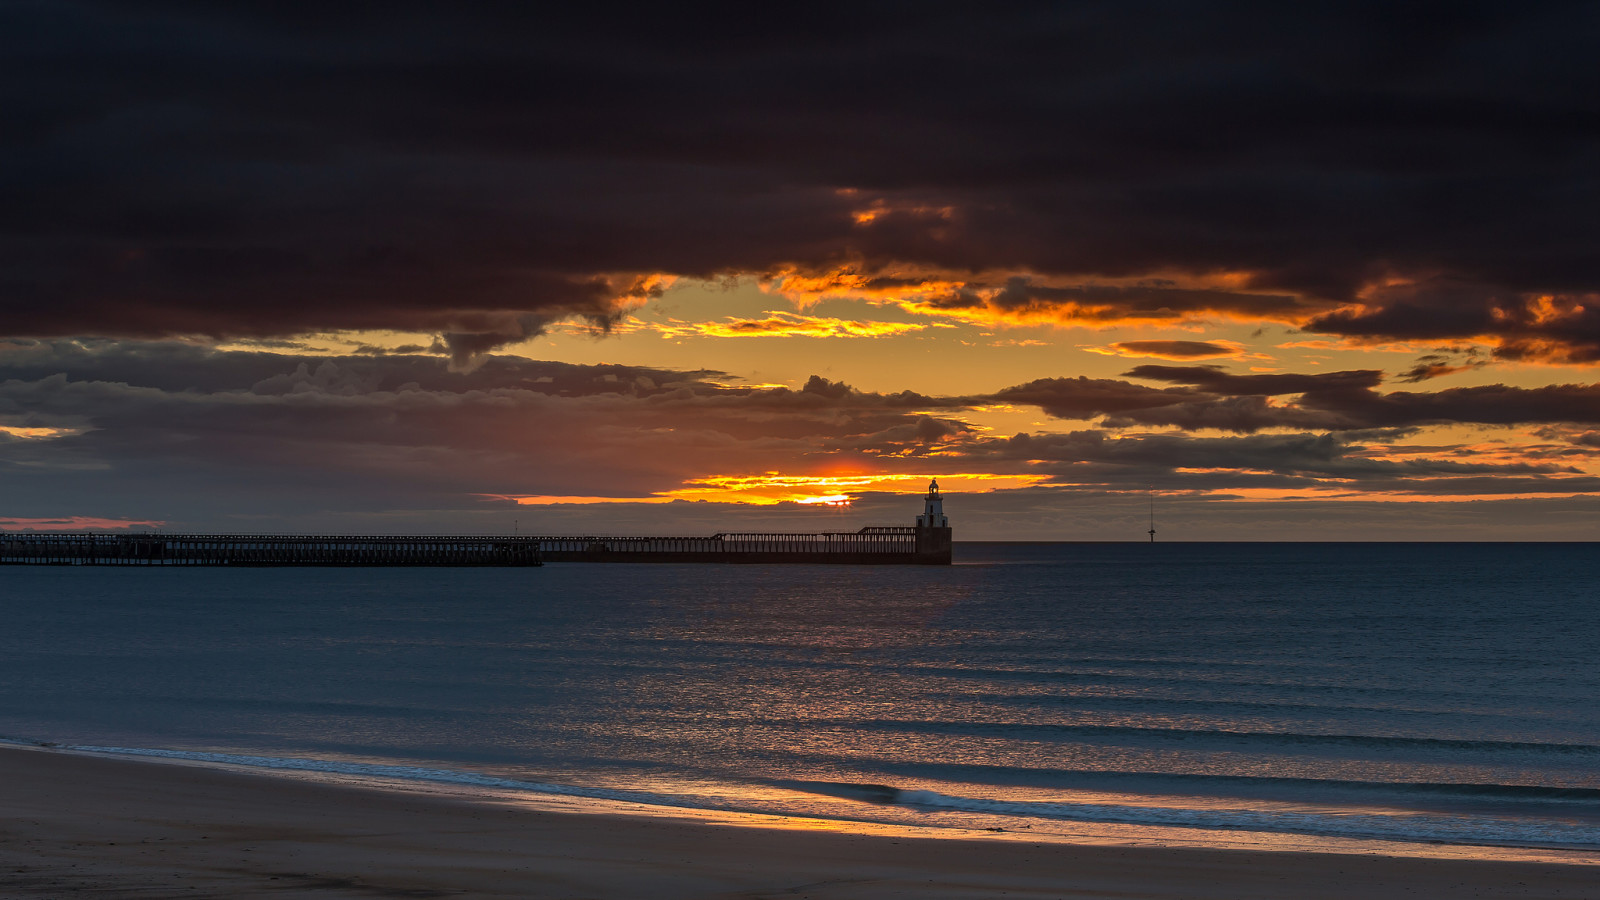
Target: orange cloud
x,y
556,499
1011,298
805,289
1314,345
785,324
769,488
1520,326
1174,350
773,487
880,209
1383,345
32,433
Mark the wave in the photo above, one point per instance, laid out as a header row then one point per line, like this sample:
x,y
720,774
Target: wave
x,y
1237,787
1455,829
1184,784
379,770
1259,739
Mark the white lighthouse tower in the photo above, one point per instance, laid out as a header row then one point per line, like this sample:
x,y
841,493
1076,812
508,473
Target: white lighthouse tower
x,y
933,509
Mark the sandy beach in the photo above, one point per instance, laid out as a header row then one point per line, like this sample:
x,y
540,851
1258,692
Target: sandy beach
x,y
76,825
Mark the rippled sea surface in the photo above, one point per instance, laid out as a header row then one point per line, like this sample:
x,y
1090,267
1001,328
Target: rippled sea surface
x,y
1413,692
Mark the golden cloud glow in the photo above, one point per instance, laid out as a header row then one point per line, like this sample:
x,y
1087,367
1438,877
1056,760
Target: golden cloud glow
x,y
805,289
782,324
770,488
827,500
651,284
33,433
1313,345
556,499
1382,345
773,487
995,298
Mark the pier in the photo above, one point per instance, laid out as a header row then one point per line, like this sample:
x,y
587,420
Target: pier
x,y
926,543
882,545
81,549
874,545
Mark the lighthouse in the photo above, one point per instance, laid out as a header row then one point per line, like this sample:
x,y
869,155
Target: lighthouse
x,y
933,509
933,529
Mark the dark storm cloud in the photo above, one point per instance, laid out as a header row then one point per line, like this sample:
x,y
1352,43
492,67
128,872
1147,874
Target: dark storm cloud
x,y
1211,397
1175,349
1365,409
1024,298
1085,398
1207,397
187,366
1438,365
193,426
1099,459
478,170
1240,414
185,433
1220,381
1561,326
1494,404
907,439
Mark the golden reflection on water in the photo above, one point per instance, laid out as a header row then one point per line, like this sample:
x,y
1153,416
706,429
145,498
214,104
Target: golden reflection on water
x,y
840,674
1079,833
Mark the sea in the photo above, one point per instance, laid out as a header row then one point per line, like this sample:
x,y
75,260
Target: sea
x,y
1264,695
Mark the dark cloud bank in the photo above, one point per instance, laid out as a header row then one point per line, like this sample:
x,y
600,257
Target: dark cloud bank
x,y
477,170
262,441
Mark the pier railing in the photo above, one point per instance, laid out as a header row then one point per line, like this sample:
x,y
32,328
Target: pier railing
x,y
733,542
874,544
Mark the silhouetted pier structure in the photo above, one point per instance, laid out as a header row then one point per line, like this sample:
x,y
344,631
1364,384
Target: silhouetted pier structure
x,y
926,543
879,545
874,545
81,549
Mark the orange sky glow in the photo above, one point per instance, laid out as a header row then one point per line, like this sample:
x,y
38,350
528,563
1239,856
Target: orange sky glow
x,y
770,488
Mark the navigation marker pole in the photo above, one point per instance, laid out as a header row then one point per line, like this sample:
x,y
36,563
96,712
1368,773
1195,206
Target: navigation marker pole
x,y
1151,490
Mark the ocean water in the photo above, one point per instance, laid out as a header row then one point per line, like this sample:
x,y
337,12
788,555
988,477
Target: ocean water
x,y
1438,693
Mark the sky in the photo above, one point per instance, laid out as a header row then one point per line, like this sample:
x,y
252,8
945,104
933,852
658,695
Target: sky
x,y
1267,271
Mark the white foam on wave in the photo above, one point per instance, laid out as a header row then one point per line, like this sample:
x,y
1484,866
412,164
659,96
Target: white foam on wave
x,y
1455,829
381,770
1463,829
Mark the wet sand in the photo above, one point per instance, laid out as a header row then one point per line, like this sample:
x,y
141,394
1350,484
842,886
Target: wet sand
x,y
85,826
